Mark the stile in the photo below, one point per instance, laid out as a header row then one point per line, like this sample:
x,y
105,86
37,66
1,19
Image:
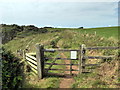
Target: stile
x,y
32,57
32,61
34,70
35,74
32,65
32,53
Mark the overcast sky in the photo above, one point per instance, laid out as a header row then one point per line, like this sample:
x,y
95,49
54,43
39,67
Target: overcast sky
x,y
59,14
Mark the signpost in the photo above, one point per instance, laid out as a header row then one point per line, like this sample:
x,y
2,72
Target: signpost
x,y
73,54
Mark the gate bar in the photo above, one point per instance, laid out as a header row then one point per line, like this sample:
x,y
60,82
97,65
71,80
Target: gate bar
x,y
61,58
59,64
62,69
103,47
53,50
98,57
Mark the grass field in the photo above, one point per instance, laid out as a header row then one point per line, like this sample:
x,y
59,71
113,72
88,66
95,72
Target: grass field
x,y
102,31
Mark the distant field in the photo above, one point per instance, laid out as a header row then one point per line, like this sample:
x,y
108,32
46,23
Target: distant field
x,y
103,31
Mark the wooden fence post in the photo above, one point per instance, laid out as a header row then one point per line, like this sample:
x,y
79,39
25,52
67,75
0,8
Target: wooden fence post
x,y
40,60
80,56
81,59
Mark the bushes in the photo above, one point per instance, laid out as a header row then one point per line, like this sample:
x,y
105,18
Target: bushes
x,y
33,28
54,42
11,71
29,28
9,32
42,30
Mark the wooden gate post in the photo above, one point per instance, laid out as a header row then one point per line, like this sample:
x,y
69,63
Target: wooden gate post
x,y
40,60
81,58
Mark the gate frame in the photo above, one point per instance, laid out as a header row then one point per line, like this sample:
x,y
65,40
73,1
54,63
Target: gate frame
x,y
40,60
81,57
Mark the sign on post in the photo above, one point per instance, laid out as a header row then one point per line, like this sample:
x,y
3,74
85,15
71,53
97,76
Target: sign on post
x,y
73,54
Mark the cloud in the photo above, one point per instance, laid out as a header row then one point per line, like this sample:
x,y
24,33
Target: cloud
x,y
23,1
65,14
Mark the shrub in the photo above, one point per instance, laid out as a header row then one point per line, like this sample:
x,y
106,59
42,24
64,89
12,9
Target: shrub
x,y
30,28
11,71
42,30
98,83
54,42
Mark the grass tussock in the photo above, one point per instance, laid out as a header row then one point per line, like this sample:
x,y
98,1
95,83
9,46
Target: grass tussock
x,y
105,76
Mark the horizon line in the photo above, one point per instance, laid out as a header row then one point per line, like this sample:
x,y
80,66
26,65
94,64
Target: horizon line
x,y
63,26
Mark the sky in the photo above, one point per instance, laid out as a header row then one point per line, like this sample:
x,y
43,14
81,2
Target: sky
x,y
72,13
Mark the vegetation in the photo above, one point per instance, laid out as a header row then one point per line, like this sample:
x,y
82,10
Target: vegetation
x,y
25,37
10,31
47,82
105,76
12,71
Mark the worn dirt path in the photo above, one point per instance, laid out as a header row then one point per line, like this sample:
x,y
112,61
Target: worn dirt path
x,y
67,81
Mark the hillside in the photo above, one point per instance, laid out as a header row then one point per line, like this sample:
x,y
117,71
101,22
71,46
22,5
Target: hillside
x,y
66,38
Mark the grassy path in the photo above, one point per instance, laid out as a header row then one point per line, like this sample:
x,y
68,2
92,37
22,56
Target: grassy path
x,y
68,80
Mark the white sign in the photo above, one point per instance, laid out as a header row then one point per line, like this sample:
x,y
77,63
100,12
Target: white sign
x,y
73,54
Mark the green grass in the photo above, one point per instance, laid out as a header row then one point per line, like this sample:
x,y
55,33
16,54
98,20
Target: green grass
x,y
103,31
46,82
101,77
89,80
81,81
54,55
68,39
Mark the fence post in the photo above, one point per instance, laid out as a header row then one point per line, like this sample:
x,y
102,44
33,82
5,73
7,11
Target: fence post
x,y
40,60
81,59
